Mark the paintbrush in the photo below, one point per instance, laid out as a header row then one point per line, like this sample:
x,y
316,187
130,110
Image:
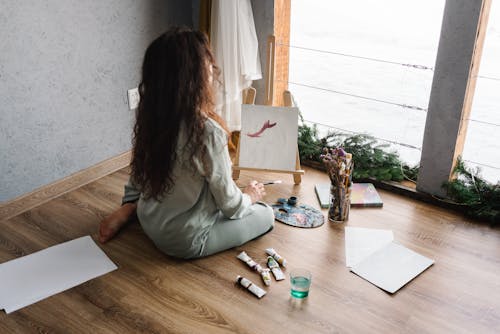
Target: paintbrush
x,y
272,182
267,183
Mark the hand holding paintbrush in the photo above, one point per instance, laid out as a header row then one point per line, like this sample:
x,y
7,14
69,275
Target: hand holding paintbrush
x,y
266,183
256,190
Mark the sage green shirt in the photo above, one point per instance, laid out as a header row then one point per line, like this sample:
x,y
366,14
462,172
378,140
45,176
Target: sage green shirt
x,y
179,223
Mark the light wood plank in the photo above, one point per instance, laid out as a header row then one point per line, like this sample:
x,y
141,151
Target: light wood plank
x,y
298,172
46,193
282,10
270,70
153,293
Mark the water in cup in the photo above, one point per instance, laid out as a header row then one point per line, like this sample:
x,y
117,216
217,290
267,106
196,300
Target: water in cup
x,y
300,280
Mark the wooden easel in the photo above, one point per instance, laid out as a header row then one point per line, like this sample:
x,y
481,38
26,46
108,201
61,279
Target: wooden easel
x,y
249,98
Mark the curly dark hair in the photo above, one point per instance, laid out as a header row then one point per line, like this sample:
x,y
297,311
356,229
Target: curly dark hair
x,y
178,73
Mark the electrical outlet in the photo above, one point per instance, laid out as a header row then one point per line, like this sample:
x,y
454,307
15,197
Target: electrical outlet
x,y
133,98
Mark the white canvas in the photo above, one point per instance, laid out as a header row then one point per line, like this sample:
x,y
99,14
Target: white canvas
x,y
361,242
268,137
34,277
392,266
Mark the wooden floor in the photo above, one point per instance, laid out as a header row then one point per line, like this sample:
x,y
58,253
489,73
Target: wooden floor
x,y
152,293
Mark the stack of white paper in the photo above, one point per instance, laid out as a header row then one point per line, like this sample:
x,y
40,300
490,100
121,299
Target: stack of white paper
x,y
31,278
373,255
392,267
361,242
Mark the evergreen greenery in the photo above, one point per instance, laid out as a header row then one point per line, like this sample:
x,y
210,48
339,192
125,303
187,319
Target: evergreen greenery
x,y
480,198
371,159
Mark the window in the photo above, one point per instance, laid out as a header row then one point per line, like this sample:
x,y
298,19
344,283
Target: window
x,y
366,66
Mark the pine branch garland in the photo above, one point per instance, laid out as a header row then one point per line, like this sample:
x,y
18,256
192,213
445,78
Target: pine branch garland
x,y
371,158
481,198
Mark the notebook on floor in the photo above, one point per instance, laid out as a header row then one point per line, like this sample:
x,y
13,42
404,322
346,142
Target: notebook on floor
x,y
365,195
362,195
323,193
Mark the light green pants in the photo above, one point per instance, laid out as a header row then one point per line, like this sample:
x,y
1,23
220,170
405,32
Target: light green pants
x,y
229,233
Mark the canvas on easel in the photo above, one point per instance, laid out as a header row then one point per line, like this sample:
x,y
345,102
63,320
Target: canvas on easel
x,y
268,140
267,137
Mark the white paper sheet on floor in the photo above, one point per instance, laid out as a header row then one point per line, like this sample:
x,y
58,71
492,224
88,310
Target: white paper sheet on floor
x,y
34,277
361,242
373,255
392,266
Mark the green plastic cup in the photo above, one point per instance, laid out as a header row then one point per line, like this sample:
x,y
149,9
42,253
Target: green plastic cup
x,y
300,280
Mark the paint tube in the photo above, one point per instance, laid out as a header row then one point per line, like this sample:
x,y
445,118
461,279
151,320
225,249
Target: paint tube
x,y
276,256
255,289
266,276
275,268
264,273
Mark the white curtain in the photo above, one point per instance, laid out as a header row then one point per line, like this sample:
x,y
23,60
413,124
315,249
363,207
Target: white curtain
x,y
236,49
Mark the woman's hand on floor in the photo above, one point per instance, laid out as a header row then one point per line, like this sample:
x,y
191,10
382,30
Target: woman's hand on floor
x,y
255,190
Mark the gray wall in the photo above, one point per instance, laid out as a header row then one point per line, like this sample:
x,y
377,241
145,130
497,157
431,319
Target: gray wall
x,y
65,67
195,12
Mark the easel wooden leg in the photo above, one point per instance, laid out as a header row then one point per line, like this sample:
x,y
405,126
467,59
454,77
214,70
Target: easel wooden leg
x,y
236,174
236,162
297,178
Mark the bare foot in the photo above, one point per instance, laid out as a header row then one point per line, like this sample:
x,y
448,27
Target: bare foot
x,y
110,226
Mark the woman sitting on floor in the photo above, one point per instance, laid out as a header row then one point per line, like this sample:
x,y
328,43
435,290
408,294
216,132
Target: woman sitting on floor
x,y
181,185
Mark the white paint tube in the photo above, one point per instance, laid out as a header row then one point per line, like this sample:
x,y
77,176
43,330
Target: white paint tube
x,y
276,256
266,276
264,273
275,268
255,289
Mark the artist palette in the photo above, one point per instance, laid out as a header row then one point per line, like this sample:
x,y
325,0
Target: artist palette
x,y
298,215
